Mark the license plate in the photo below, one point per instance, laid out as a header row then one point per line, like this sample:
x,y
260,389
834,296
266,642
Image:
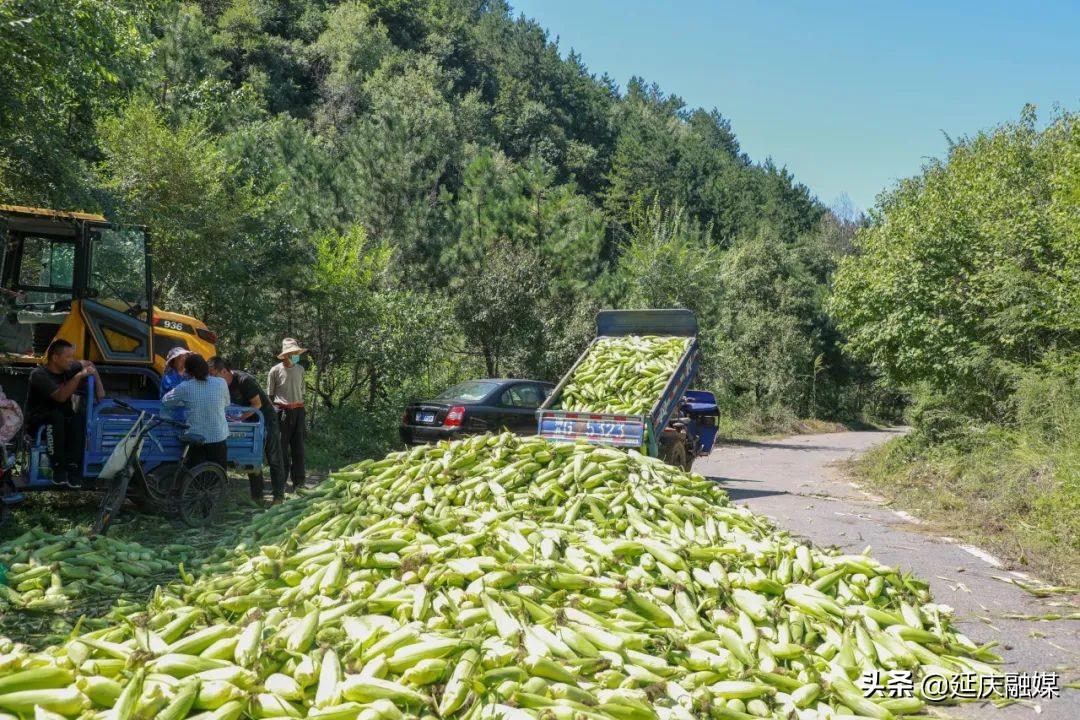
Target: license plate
x,y
425,417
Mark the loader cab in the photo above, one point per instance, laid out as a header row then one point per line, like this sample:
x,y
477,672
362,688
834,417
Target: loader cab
x,y
74,276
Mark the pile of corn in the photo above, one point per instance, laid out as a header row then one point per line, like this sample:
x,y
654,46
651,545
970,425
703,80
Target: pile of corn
x,y
504,577
51,573
623,375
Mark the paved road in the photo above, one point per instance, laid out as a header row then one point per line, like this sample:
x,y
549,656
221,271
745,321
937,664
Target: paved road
x,y
795,481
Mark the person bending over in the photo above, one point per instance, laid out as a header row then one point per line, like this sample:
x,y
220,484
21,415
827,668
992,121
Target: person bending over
x,y
204,400
244,390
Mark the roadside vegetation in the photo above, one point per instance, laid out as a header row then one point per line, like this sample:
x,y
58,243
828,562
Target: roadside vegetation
x,y
1014,490
964,294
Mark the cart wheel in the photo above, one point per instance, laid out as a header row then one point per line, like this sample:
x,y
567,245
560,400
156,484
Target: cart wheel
x,y
143,503
140,496
158,488
198,493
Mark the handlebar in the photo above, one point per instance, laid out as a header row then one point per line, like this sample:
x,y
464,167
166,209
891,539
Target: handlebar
x,y
159,418
174,423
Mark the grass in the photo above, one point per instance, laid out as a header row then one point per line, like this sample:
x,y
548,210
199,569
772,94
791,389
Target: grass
x,y
1013,492
345,435
755,427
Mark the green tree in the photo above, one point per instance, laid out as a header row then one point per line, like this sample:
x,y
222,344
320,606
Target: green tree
x,y
348,273
757,304
350,48
64,62
668,262
262,43
763,336
498,304
366,335
501,201
967,273
204,226
646,151
674,156
563,226
392,165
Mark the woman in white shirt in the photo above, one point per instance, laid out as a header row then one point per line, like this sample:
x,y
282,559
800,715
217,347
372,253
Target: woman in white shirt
x,y
205,399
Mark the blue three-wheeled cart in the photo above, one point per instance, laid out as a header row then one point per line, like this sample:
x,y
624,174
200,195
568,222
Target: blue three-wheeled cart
x,y
133,439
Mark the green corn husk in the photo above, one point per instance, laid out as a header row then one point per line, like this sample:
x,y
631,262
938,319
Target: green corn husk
x,y
368,689
66,701
181,702
624,375
36,678
507,576
102,691
424,672
458,687
74,567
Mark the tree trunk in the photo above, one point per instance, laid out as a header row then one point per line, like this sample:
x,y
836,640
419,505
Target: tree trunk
x,y
238,335
321,361
539,224
373,386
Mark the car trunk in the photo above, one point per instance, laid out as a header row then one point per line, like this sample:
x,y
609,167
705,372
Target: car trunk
x,y
426,414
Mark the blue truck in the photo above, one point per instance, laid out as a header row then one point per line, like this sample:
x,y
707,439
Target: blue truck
x,y
681,423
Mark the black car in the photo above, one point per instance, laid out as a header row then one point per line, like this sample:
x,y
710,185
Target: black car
x,y
475,406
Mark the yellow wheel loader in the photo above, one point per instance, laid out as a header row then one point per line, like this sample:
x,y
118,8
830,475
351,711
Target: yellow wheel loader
x,y
75,276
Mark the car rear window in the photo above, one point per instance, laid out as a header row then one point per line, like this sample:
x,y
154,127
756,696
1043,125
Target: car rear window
x,y
469,391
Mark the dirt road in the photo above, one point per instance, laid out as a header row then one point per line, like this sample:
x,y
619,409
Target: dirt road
x,y
795,481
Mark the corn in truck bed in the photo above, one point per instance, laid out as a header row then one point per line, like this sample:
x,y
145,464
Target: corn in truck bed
x,y
630,431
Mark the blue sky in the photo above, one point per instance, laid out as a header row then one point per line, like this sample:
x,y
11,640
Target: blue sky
x,y
849,96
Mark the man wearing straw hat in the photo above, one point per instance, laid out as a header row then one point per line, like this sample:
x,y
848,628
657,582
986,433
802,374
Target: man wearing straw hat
x,y
285,386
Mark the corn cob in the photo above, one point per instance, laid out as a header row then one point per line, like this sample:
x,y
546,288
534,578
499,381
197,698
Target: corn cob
x,y
636,590
624,375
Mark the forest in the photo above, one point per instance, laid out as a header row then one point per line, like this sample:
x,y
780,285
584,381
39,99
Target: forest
x,y
432,190
420,192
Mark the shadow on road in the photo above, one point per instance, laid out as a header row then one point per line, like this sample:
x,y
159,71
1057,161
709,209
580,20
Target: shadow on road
x,y
741,493
737,494
781,445
772,445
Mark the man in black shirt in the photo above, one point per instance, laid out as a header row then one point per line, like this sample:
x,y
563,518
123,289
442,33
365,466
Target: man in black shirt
x,y
245,390
51,403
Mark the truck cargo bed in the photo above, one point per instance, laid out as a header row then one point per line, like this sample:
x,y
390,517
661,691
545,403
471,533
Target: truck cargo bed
x,y
637,431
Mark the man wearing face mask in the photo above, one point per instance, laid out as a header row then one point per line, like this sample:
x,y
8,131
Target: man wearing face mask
x,y
285,386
